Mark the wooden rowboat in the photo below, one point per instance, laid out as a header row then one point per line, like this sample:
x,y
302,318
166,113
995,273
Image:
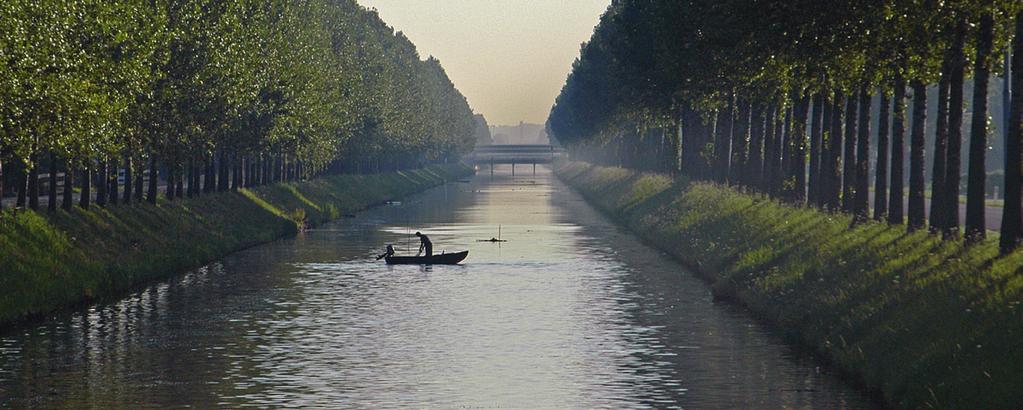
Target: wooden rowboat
x,y
436,259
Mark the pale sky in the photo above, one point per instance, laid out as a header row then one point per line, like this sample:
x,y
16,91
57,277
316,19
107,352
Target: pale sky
x,y
508,57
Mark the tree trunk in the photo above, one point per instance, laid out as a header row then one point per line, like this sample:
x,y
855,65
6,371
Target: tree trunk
x,y
101,183
190,172
771,158
196,179
740,133
861,200
1007,76
826,166
246,178
881,174
267,166
33,182
1011,217
895,207
784,182
2,179
208,178
253,179
22,187
816,138
86,194
51,203
705,138
684,130
179,189
723,142
154,174
976,180
69,186
915,207
953,162
849,160
937,217
128,174
170,181
833,201
139,174
797,144
112,180
236,167
755,162
241,167
222,175
278,171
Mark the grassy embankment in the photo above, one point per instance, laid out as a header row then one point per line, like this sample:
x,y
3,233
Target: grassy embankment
x,y
923,322
51,261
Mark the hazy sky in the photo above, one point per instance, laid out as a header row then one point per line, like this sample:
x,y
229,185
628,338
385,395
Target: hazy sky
x,y
508,57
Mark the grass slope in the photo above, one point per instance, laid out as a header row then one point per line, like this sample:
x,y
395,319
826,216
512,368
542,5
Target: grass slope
x,y
51,261
928,324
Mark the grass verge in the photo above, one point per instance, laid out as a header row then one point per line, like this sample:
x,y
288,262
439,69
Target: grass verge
x,y
50,261
925,323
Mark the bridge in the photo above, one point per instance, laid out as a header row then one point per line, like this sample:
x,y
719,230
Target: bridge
x,y
514,155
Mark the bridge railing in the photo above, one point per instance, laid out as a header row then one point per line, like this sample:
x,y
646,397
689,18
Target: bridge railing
x,y
514,154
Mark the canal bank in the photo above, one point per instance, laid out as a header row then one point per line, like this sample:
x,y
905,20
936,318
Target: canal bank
x,y
926,323
48,262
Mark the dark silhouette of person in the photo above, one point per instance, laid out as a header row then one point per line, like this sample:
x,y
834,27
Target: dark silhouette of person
x,y
388,252
424,244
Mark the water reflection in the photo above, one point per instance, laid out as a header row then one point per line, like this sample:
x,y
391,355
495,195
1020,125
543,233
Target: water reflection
x,y
570,312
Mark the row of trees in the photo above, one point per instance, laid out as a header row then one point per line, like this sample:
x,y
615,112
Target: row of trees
x,y
212,95
778,97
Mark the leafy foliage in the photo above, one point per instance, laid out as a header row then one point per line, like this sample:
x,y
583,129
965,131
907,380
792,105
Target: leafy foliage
x,y
310,82
703,86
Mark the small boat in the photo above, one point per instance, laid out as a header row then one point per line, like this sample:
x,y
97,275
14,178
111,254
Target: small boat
x,y
437,259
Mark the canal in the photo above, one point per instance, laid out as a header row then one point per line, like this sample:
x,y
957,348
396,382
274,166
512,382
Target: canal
x,y
571,312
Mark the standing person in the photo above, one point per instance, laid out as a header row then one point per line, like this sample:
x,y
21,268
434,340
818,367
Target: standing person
x,y
424,244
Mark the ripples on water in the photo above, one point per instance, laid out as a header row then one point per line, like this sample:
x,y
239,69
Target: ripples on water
x,y
571,312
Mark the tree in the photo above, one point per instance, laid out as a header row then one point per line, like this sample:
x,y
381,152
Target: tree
x,y
938,171
849,156
796,179
861,204
950,193
1012,220
816,136
834,167
915,207
895,205
755,164
975,228
881,174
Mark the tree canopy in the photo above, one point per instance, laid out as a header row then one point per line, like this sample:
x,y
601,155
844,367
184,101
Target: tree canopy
x,y
299,86
779,96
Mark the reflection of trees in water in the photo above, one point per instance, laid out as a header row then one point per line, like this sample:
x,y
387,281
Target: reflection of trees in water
x,y
687,348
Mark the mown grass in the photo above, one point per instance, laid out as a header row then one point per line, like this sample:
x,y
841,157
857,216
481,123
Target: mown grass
x,y
926,323
51,261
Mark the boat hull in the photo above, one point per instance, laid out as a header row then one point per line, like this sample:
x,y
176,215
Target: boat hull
x,y
438,259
